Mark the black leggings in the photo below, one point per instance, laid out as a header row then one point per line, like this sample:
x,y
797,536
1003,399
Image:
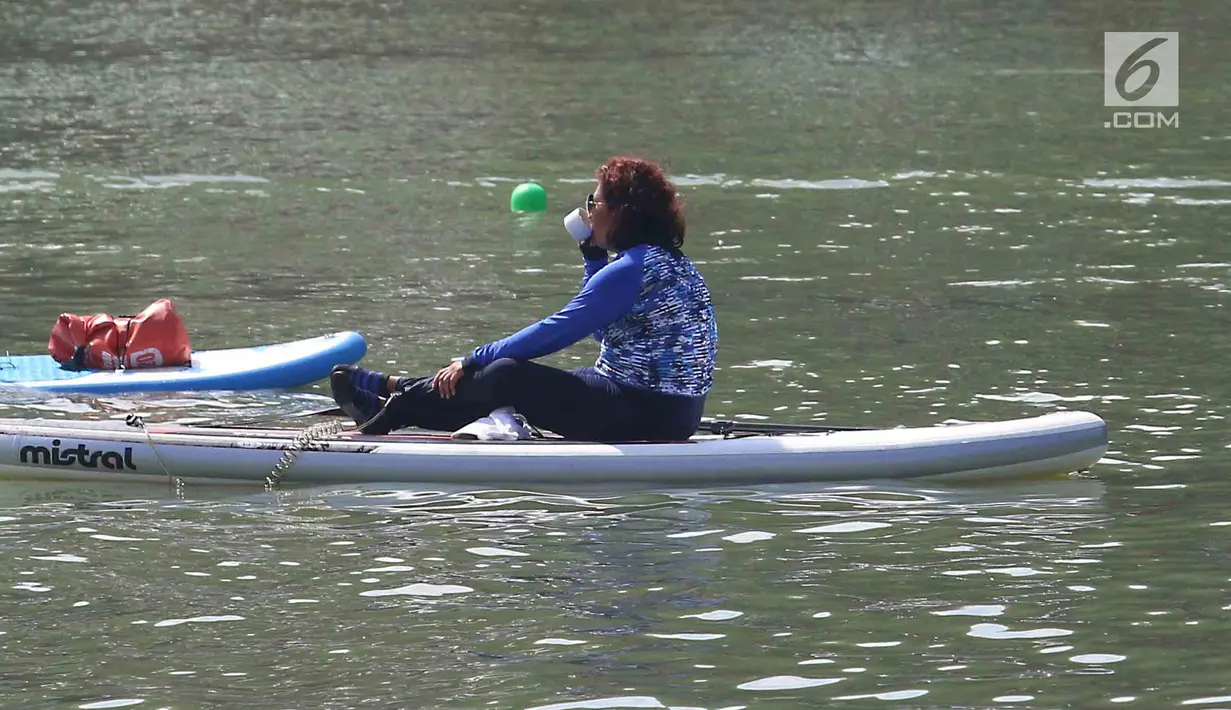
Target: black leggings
x,y
581,405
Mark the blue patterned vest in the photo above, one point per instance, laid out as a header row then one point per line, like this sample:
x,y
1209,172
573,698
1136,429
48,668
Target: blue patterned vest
x,y
668,341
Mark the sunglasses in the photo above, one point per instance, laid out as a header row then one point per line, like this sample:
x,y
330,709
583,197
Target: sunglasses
x,y
591,203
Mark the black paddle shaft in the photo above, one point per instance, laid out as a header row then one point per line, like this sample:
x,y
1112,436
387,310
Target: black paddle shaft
x,y
724,427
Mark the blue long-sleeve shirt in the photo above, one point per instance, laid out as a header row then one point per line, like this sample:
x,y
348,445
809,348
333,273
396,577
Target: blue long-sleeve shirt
x,y
608,290
651,313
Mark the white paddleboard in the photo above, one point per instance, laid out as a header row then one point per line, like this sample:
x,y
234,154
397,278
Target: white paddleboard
x,y
1054,443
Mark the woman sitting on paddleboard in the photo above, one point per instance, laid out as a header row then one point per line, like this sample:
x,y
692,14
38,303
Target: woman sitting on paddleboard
x,y
649,309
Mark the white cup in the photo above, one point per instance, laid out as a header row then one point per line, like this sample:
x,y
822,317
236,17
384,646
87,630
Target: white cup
x,y
576,225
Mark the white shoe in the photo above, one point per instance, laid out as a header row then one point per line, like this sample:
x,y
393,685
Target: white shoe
x,y
503,424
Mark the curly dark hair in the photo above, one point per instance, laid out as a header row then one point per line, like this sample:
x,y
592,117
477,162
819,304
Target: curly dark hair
x,y
646,206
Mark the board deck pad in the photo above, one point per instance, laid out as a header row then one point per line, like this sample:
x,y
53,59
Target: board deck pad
x,y
352,435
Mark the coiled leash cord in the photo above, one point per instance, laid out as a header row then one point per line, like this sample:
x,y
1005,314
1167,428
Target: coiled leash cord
x,y
302,440
308,437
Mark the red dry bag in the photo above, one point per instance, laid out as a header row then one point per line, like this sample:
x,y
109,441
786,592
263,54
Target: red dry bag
x,y
153,338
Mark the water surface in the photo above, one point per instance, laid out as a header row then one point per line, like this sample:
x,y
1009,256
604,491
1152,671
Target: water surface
x,y
908,213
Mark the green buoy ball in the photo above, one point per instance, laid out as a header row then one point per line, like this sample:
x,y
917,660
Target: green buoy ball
x,y
528,197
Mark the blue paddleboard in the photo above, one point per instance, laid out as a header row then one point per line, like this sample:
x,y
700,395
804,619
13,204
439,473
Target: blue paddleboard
x,y
276,366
